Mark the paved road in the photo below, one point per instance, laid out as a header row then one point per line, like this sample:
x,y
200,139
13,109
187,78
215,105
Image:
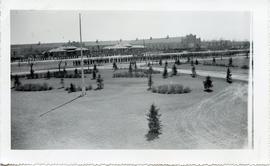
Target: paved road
x,y
216,74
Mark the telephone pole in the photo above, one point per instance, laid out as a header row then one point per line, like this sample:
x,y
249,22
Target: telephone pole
x,y
82,71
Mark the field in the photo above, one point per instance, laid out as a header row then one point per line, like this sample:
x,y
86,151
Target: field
x,y
115,117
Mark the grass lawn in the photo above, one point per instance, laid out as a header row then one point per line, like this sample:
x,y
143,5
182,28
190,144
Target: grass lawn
x,y
115,117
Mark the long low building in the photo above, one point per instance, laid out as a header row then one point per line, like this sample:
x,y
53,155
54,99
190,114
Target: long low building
x,y
123,46
66,51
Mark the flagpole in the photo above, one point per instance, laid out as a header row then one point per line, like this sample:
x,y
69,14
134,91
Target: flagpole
x,y
83,84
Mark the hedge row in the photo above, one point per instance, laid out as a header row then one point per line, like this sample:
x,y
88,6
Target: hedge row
x,y
171,89
33,87
127,74
56,74
146,71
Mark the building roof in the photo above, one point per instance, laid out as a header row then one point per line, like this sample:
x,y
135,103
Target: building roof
x,y
66,49
122,46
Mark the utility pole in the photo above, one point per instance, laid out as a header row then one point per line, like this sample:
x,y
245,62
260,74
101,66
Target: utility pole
x,y
83,84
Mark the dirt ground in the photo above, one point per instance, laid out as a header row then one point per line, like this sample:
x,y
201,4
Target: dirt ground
x,y
115,117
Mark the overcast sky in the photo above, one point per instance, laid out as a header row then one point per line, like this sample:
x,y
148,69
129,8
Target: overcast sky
x,y
62,26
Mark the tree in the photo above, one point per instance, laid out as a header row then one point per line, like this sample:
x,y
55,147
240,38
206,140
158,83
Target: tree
x,y
165,72
59,66
208,84
100,84
178,62
154,124
115,66
130,68
88,64
94,75
62,83
150,70
64,70
188,59
150,81
160,62
230,62
95,68
72,88
174,70
196,62
31,70
48,75
76,72
17,81
192,63
229,76
214,60
193,72
135,66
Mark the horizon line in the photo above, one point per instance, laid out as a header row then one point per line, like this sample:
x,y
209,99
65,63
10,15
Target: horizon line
x,y
139,39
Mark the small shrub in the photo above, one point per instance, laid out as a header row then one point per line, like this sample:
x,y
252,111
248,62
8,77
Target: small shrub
x,y
229,76
165,72
94,74
193,72
48,75
174,70
160,62
230,62
196,62
72,88
208,84
150,81
100,84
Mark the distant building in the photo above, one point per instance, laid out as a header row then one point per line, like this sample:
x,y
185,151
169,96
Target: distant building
x,y
191,42
66,51
123,46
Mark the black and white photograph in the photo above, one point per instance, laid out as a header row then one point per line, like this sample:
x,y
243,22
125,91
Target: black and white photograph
x,y
130,79
134,82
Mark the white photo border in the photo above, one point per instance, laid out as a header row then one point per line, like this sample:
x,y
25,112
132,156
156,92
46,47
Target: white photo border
x,y
259,154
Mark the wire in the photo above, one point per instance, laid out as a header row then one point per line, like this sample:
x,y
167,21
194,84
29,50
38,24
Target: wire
x,y
60,106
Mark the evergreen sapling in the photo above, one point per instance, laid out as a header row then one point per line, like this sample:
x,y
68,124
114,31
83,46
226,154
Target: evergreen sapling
x,y
154,124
